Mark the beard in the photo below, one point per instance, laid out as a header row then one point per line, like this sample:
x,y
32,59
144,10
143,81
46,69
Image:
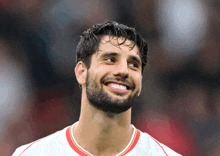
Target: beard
x,y
102,101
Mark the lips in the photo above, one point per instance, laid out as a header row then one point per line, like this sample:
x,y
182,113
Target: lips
x,y
118,87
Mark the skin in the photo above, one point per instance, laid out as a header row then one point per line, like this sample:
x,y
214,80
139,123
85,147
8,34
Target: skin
x,y
100,132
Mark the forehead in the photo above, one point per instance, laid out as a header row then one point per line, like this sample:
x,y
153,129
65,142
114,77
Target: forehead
x,y
114,44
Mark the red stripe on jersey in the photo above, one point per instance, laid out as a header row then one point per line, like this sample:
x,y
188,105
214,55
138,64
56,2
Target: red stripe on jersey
x,y
82,152
160,146
74,145
28,147
33,143
133,142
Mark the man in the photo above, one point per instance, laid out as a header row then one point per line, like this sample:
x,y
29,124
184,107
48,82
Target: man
x,y
110,62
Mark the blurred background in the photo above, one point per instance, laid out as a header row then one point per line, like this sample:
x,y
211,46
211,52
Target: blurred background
x,y
180,100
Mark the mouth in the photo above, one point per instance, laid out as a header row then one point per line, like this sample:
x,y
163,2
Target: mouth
x,y
118,87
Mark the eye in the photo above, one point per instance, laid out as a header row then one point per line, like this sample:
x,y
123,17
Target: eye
x,y
110,59
133,64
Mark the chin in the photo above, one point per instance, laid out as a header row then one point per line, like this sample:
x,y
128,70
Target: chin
x,y
109,104
119,100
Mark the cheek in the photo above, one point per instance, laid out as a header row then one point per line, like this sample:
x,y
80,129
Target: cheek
x,y
102,70
138,80
95,78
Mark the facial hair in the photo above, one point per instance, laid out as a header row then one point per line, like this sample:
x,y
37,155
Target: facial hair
x,y
102,101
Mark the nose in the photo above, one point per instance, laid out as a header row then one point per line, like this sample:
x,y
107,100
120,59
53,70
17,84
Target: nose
x,y
121,70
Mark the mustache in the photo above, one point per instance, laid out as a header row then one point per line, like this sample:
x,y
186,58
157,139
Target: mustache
x,y
119,80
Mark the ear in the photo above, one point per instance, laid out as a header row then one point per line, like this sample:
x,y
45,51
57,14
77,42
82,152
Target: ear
x,y
80,72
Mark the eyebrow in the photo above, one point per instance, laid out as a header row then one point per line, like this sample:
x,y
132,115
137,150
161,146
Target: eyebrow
x,y
109,54
134,58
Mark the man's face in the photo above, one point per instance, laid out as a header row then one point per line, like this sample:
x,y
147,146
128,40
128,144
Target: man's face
x,y
114,78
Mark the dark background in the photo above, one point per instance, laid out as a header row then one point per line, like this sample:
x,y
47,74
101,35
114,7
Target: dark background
x,y
180,100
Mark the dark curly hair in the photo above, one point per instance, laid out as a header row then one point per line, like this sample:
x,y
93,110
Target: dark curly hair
x,y
90,39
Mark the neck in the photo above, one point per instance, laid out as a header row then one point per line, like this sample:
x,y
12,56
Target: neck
x,y
102,133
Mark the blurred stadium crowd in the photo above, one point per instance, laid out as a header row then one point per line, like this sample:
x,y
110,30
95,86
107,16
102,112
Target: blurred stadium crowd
x,y
180,100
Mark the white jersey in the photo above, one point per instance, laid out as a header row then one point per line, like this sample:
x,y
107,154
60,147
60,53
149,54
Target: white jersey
x,y
63,143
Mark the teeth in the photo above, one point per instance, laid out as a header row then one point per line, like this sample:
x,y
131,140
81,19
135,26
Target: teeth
x,y
117,86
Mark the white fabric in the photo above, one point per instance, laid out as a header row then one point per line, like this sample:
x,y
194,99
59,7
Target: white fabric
x,y
57,145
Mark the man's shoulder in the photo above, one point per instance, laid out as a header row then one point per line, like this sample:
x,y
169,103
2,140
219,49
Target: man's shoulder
x,y
150,144
47,143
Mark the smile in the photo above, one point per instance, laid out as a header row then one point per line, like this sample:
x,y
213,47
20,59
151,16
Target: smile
x,y
118,88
